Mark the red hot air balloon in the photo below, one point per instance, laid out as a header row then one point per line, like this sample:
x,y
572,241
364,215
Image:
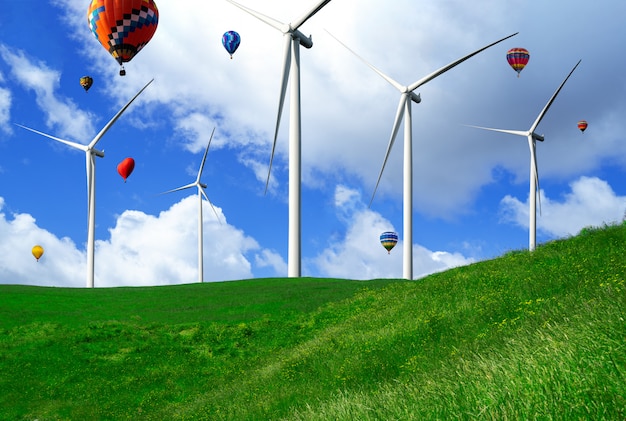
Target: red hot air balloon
x,y
123,27
518,59
582,125
126,167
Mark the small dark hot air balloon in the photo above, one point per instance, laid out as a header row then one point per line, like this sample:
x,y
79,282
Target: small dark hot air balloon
x,y
582,125
231,41
123,27
86,82
389,239
126,167
518,59
37,251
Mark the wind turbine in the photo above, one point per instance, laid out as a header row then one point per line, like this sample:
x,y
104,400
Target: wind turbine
x,y
534,174
291,68
90,154
407,95
201,192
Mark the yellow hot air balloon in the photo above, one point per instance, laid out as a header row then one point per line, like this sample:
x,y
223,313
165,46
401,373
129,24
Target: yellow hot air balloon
x,y
37,252
86,82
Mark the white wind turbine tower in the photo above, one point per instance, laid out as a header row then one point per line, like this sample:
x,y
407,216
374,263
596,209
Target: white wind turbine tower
x,y
407,95
90,154
291,68
201,186
534,174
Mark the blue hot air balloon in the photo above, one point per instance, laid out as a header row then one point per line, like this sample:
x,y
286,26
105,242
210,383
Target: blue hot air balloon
x,y
389,239
231,41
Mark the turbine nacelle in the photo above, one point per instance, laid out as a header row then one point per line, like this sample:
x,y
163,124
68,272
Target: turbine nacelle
x,y
306,42
416,98
537,137
97,153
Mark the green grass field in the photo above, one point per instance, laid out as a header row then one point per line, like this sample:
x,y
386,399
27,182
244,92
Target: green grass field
x,y
526,336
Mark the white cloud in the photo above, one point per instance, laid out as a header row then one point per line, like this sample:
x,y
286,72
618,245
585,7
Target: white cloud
x,y
592,202
62,264
163,249
359,255
142,250
62,114
5,109
348,110
271,259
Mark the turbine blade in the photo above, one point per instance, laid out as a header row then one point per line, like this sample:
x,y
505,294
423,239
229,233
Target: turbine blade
x,y
66,142
180,188
533,157
393,83
260,16
545,109
515,132
394,131
298,22
447,67
212,207
115,117
281,100
204,157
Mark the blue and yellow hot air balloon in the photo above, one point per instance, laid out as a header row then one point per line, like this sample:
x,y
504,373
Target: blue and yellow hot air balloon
x,y
231,41
389,239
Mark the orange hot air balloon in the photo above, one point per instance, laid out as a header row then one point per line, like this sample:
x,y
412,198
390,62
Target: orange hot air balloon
x,y
126,167
123,27
582,125
37,251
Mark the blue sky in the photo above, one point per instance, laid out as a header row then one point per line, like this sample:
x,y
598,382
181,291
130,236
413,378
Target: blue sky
x,y
470,187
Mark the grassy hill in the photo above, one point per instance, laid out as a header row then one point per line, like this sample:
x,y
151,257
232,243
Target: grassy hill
x,y
524,336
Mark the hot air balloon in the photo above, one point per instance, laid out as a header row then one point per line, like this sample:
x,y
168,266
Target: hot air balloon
x,y
518,59
231,41
126,167
86,82
582,125
37,251
123,27
388,239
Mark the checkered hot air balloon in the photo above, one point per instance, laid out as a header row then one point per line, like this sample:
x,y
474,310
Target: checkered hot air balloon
x,y
123,27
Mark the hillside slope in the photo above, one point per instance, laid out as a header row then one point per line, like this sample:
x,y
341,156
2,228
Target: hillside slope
x,y
524,336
